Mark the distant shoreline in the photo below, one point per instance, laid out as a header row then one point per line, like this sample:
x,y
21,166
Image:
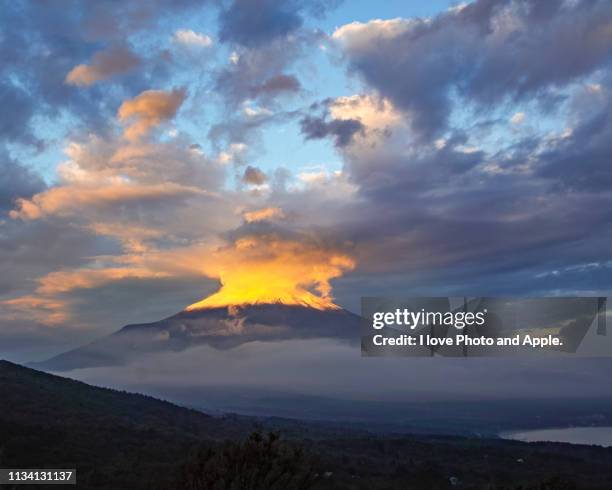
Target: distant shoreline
x,y
589,435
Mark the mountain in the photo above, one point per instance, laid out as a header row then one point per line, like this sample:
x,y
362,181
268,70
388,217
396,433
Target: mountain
x,y
110,436
123,441
222,328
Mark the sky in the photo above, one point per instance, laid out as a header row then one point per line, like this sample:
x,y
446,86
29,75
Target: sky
x,y
150,150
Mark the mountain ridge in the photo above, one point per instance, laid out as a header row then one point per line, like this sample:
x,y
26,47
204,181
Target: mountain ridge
x,y
219,327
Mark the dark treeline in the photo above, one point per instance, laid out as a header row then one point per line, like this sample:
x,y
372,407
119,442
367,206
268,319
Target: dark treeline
x,y
124,441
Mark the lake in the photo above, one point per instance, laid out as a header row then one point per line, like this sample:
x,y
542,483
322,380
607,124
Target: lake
x,y
600,436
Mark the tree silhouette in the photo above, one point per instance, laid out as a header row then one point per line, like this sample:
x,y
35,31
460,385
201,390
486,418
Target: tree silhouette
x,y
259,463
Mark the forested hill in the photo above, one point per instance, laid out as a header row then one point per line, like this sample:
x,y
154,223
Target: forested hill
x,y
46,399
119,440
115,439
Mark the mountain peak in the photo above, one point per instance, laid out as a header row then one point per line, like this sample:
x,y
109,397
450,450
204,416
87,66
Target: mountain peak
x,y
220,327
230,298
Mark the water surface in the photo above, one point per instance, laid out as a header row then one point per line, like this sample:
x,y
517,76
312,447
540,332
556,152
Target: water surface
x,y
599,436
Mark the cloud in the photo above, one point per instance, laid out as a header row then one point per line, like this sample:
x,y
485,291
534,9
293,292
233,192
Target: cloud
x,y
64,201
517,118
579,159
484,53
42,44
97,159
50,305
65,281
254,176
234,153
148,110
436,211
46,311
106,64
256,22
358,36
277,84
341,130
265,266
191,39
363,123
286,372
246,22
15,120
374,112
264,214
260,71
433,188
16,181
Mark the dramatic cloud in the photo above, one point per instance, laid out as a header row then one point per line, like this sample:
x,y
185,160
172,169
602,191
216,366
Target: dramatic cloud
x,y
270,267
149,109
70,200
470,154
485,51
105,64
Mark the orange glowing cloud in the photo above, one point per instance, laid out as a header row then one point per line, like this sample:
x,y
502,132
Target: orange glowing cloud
x,y
47,311
66,281
272,269
263,214
51,304
104,65
71,199
252,270
149,109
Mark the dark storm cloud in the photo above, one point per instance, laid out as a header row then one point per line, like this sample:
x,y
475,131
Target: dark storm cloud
x,y
254,176
341,130
489,51
255,22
